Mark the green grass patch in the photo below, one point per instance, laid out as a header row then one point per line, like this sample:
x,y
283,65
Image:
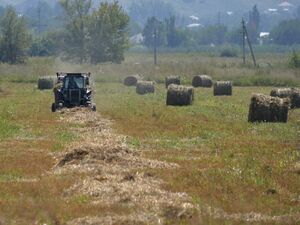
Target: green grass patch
x,y
12,175
62,138
225,161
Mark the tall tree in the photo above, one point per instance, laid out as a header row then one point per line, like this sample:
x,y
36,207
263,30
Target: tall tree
x,y
254,23
15,38
77,12
108,33
143,9
174,37
298,12
154,26
287,32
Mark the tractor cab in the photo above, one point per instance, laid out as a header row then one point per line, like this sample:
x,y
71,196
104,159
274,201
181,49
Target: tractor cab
x,y
73,90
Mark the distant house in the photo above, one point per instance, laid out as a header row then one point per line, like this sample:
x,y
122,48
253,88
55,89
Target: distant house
x,y
193,25
194,18
285,4
264,34
273,10
136,39
263,37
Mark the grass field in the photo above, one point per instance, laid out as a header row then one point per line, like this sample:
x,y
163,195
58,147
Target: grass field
x,y
225,162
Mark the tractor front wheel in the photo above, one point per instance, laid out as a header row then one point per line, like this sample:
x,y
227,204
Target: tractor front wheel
x,y
94,108
53,107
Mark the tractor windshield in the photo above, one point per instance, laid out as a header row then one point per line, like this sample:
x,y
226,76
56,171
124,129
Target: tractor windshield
x,y
74,82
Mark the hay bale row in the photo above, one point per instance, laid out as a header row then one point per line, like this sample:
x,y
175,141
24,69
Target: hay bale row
x,y
202,81
132,80
268,109
46,82
292,93
174,79
223,88
145,87
179,95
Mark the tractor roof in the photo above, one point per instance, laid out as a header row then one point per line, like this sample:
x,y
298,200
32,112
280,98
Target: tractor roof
x,y
61,74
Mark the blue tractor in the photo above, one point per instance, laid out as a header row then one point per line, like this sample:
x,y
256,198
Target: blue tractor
x,y
73,90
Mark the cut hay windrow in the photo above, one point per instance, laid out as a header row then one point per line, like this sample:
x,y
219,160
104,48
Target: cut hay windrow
x,y
179,95
145,87
292,93
265,108
46,82
223,88
132,80
173,79
202,81
107,165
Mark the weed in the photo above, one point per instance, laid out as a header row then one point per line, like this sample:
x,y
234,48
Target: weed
x,y
294,61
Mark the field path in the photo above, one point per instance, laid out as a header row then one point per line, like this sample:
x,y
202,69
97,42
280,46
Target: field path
x,y
107,171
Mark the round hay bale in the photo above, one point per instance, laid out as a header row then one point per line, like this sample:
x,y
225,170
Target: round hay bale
x,y
46,82
223,88
265,108
174,79
179,95
202,81
132,80
145,87
292,93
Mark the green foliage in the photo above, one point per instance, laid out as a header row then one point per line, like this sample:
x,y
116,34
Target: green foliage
x,y
228,52
49,45
254,23
168,35
152,26
212,34
14,37
2,11
235,36
175,36
294,61
134,28
141,10
287,32
98,36
76,36
298,11
107,32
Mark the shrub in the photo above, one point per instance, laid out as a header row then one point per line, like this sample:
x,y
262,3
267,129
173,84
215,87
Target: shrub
x,y
228,52
294,61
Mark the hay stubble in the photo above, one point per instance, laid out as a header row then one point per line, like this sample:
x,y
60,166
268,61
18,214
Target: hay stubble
x,y
112,171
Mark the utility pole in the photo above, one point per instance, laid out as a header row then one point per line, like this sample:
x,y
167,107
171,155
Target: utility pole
x,y
39,25
155,45
219,18
244,50
245,34
39,18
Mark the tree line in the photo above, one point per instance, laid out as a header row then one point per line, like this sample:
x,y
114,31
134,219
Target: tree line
x,y
171,36
96,35
88,35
